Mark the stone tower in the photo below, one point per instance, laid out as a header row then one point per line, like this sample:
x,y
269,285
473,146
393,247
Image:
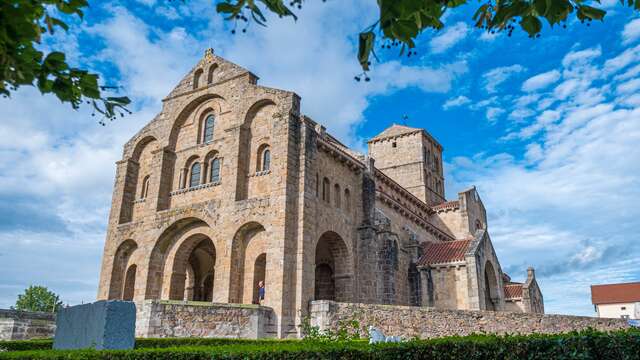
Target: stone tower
x,y
413,158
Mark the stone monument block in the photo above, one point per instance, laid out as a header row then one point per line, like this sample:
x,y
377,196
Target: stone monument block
x,y
102,325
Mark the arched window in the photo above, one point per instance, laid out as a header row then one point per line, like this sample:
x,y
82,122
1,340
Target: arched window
x,y
196,78
215,170
145,187
266,159
194,178
347,199
336,196
326,190
212,69
478,224
209,125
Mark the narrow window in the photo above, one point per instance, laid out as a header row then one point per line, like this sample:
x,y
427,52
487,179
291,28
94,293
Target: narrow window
x,y
196,78
336,191
145,187
317,185
215,170
212,70
209,125
326,188
394,144
347,199
194,179
266,160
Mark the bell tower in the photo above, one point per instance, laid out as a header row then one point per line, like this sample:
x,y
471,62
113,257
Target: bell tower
x,y
412,158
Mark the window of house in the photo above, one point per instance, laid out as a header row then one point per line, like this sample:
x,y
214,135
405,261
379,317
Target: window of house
x,y
623,308
196,78
336,196
317,185
215,170
394,144
347,199
194,178
266,160
326,189
209,125
145,187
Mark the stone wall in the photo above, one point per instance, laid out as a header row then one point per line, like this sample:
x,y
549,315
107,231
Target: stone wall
x,y
23,325
160,318
425,322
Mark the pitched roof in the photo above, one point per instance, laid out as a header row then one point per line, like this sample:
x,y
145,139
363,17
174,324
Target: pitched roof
x,y
444,252
454,204
393,131
615,293
513,291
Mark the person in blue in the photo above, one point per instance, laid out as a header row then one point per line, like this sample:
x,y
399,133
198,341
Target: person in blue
x,y
260,292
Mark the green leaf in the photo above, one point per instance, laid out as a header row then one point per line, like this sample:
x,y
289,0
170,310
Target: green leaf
x,y
591,12
531,25
365,45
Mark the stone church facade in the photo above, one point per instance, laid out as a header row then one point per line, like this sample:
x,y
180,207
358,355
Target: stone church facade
x,y
230,185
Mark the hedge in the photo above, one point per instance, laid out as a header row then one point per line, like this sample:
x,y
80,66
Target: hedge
x,y
624,345
142,343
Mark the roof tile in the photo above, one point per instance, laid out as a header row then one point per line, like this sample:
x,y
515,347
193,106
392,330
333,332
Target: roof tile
x,y
513,291
615,293
444,252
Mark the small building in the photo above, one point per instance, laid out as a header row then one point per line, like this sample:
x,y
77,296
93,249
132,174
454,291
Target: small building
x,y
617,300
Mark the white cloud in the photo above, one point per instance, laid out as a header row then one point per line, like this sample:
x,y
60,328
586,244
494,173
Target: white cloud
x,y
449,37
541,81
631,31
493,78
581,56
493,113
455,102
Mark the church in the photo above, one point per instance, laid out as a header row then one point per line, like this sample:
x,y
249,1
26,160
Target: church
x,y
230,185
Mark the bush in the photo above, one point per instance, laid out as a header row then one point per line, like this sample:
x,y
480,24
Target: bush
x,y
617,345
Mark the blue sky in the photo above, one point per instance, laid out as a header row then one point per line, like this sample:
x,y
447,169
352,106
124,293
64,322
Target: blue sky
x,y
547,129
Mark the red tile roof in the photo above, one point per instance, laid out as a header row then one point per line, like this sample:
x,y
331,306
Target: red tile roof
x,y
615,293
513,291
444,252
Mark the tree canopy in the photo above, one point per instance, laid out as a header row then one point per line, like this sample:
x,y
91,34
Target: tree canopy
x,y
38,298
24,23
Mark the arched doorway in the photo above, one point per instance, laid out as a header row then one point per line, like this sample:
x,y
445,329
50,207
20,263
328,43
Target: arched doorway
x,y
259,274
413,276
249,257
491,287
120,262
193,269
333,277
129,283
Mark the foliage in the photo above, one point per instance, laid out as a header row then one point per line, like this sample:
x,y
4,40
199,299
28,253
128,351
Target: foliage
x,y
402,21
38,298
348,330
23,24
577,345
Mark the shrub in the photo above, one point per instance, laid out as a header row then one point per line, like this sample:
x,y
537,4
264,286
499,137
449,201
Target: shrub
x,y
589,344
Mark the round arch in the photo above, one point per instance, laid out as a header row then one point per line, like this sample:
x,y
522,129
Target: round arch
x,y
187,111
333,268
491,291
120,261
140,145
190,268
171,235
249,251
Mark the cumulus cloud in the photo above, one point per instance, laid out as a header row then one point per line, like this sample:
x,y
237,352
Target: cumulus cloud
x,y
631,31
580,155
541,81
449,37
456,102
493,78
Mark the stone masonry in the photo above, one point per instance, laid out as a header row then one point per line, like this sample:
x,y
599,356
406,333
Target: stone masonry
x,y
425,322
25,325
230,185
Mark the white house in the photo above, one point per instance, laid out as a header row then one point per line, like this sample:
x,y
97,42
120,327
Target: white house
x,y
617,300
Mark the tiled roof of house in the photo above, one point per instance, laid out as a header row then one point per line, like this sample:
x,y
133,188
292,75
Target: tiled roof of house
x,y
444,252
395,130
513,291
615,293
